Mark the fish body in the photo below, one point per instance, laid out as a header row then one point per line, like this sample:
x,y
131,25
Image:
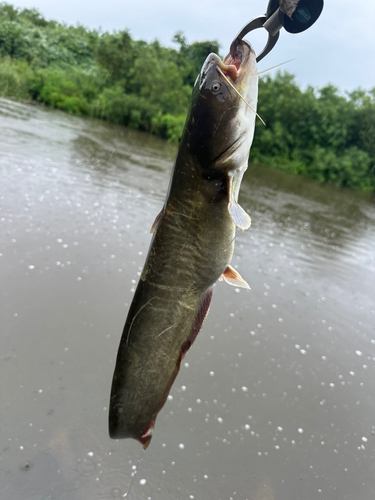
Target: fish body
x,y
192,244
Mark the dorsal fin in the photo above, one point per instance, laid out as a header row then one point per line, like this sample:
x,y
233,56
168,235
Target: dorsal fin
x,y
233,277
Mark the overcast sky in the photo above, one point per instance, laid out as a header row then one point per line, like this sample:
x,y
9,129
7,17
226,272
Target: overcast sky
x,y
339,48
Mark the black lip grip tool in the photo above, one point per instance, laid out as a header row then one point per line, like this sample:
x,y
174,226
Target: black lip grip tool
x,y
301,15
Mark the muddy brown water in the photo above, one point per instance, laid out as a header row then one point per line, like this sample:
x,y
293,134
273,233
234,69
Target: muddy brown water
x,y
274,401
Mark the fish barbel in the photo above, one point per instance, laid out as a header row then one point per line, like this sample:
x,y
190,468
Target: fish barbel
x,y
192,244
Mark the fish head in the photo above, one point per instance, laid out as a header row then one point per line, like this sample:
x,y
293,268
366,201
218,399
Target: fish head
x,y
220,125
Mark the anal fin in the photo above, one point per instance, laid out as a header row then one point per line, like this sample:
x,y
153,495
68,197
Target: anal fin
x,y
200,317
232,277
157,221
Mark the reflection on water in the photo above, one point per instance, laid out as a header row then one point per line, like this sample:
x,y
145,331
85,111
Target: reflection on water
x,y
275,399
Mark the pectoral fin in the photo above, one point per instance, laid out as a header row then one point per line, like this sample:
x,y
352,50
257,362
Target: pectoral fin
x,y
157,221
241,218
232,277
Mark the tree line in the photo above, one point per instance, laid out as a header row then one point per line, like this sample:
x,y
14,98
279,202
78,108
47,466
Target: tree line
x,y
320,133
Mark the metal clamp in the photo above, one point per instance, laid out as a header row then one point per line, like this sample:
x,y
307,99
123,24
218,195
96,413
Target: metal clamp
x,y
258,22
304,15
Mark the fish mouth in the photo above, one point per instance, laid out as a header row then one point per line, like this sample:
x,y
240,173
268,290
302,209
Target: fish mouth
x,y
234,64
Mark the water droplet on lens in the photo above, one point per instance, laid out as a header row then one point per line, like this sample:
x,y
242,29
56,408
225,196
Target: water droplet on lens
x,y
116,492
88,467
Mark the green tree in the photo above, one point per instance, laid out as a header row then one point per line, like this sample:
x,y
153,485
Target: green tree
x,y
316,132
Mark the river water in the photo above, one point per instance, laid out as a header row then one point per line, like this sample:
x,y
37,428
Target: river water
x,y
274,401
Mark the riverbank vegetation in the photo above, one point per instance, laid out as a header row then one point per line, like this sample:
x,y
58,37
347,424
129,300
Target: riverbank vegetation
x,y
316,132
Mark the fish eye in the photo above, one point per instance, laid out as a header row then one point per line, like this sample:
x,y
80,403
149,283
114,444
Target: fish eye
x,y
215,87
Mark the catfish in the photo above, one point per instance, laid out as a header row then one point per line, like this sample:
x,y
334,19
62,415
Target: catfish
x,y
192,243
